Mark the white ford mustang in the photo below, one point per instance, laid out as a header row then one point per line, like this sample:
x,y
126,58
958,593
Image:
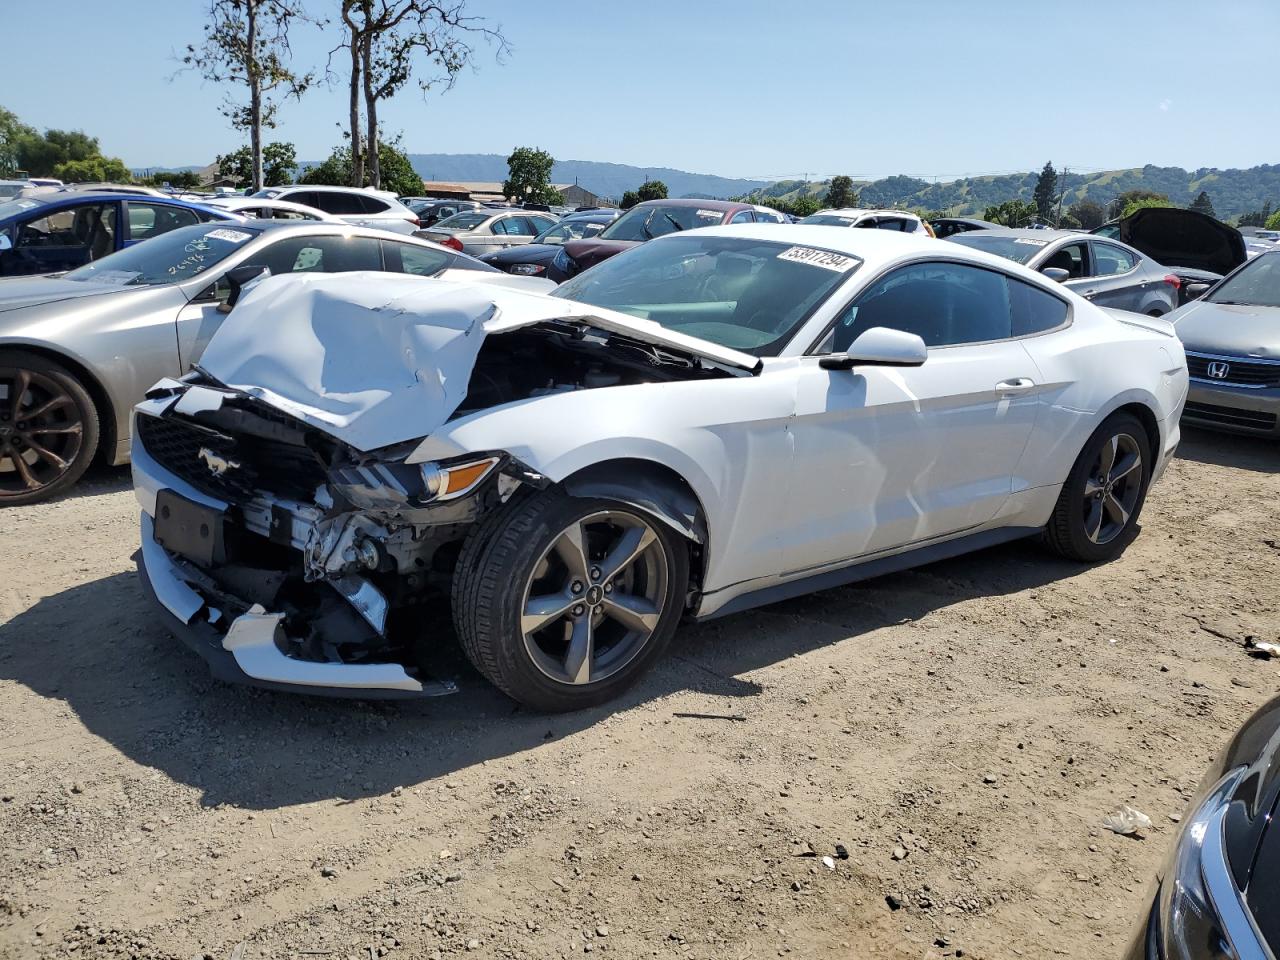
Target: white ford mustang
x,y
714,420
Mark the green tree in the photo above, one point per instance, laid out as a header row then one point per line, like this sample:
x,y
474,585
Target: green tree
x,y
40,155
279,161
1273,222
840,193
1256,218
529,176
1203,204
1012,213
1146,202
1087,214
1122,202
386,40
629,199
246,43
178,179
93,169
1046,193
12,131
398,172
652,190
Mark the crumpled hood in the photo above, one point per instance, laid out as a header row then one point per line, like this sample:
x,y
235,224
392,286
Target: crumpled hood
x,y
1233,330
375,360
18,292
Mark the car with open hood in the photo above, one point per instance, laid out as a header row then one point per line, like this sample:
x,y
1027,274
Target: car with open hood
x,y
1194,246
1217,893
655,218
358,472
77,351
1232,340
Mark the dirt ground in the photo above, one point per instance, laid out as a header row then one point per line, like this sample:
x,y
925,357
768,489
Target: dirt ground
x,y
960,730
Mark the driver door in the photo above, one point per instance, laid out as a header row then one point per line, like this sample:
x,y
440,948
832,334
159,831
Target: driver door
x,y
889,457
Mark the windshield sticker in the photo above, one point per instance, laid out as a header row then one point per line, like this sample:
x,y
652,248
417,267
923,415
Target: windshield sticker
x,y
1031,241
231,236
713,214
819,258
116,277
26,204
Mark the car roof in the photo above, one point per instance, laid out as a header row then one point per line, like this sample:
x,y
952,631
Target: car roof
x,y
700,204
71,198
862,212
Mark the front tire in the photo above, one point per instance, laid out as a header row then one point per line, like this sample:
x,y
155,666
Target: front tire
x,y
1097,512
48,428
562,603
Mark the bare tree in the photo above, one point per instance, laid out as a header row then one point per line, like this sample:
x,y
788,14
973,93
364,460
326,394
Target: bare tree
x,y
246,42
387,40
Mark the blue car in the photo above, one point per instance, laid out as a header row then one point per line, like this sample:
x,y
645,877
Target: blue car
x,y
62,231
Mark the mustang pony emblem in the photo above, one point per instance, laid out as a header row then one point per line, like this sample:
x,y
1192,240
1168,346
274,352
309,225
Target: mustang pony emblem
x,y
218,465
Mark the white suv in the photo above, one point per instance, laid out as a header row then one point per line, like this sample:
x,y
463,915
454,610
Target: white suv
x,y
900,220
358,206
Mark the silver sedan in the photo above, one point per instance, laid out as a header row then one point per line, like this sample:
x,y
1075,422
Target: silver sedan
x,y
478,232
77,351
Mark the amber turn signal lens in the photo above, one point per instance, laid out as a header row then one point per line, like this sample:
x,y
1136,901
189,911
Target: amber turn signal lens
x,y
459,479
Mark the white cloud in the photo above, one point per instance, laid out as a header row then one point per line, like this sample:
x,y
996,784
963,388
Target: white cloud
x,y
1165,104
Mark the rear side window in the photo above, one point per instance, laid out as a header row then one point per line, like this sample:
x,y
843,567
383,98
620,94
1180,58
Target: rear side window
x,y
319,255
412,259
372,204
152,219
1109,260
338,203
1033,310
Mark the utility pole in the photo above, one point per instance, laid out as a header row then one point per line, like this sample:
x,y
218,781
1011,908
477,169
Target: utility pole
x,y
1066,172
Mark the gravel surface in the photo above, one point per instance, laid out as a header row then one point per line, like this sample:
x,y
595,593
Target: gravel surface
x,y
923,769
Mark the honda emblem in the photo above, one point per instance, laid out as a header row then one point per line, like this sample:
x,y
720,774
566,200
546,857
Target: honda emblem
x,y
1218,370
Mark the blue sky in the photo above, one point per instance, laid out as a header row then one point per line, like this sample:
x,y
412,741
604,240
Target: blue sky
x,y
750,88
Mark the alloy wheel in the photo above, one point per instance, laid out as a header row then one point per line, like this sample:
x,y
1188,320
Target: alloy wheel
x,y
594,598
1112,488
41,431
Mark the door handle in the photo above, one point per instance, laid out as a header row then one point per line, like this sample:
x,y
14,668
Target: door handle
x,y
1007,388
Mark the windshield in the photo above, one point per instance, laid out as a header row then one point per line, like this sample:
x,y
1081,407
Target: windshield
x,y
1256,284
8,190
463,221
829,220
169,258
267,194
751,295
645,223
11,208
1017,249
573,230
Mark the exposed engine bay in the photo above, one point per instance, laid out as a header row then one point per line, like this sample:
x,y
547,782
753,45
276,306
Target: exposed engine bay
x,y
356,549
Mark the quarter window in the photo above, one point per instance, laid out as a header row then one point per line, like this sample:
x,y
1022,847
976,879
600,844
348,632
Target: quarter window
x,y
419,261
148,220
1034,310
1109,260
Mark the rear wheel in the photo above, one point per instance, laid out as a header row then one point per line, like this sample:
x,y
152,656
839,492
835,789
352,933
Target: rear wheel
x,y
48,428
1096,515
562,603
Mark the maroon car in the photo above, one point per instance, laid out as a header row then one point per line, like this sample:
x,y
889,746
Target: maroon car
x,y
652,219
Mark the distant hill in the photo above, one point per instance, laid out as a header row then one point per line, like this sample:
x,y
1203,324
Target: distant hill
x,y
1233,192
603,179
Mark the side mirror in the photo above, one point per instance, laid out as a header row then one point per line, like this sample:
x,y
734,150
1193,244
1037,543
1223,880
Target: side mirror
x,y
5,242
1056,274
879,347
1197,290
241,279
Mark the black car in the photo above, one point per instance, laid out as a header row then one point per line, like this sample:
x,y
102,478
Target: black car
x,y
1219,894
536,259
944,227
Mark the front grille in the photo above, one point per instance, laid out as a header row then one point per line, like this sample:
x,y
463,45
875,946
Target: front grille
x,y
1230,416
1241,372
286,470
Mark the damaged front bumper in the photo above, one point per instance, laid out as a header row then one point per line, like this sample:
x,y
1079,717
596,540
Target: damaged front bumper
x,y
284,593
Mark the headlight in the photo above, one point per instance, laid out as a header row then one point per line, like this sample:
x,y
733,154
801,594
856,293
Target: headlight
x,y
528,269
563,262
453,480
1201,913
